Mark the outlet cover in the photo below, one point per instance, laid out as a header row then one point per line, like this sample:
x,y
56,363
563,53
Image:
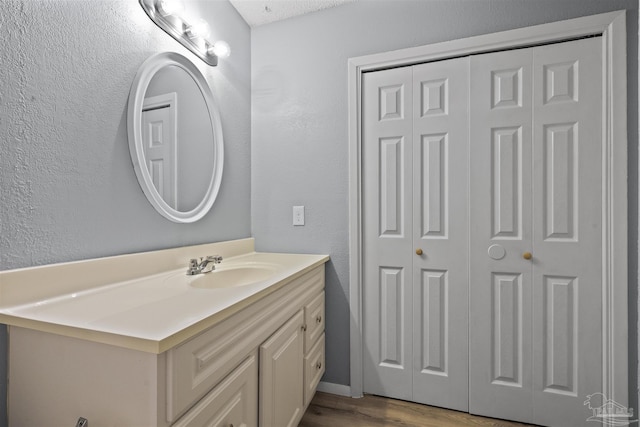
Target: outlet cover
x,y
298,215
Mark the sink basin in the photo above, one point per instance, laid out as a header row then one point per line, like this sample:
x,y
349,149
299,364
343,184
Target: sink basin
x,y
234,276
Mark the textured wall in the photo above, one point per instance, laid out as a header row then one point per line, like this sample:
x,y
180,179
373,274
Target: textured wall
x,y
67,186
300,130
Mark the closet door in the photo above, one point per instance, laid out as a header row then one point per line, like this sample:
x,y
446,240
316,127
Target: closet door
x,y
416,236
500,345
535,318
388,245
440,233
482,199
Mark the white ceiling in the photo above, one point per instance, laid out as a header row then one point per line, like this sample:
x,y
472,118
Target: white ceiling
x,y
259,12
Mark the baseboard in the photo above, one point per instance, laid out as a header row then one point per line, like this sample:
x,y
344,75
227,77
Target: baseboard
x,y
339,389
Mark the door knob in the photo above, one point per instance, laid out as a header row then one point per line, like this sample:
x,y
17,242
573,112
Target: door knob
x,y
418,251
527,255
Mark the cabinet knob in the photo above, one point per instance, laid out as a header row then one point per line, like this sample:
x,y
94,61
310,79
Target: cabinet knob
x,y
319,318
419,251
527,255
319,365
304,328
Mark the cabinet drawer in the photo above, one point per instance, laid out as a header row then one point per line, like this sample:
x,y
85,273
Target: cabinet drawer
x,y
313,369
314,321
233,402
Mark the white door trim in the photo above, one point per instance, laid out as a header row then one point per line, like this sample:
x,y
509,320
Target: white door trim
x,y
612,27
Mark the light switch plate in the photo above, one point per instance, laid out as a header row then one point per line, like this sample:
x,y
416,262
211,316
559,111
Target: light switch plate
x,y
298,215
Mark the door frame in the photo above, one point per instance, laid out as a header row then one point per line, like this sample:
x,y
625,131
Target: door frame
x,y
612,27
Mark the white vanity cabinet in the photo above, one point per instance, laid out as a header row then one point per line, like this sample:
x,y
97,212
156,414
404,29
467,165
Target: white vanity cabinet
x,y
256,367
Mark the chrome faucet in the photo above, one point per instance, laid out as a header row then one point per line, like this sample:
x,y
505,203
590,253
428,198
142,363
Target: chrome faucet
x,y
203,265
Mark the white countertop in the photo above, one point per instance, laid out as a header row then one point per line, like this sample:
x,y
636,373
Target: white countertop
x,y
156,311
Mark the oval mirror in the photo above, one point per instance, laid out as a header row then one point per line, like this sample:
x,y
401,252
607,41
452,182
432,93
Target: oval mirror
x,y
175,137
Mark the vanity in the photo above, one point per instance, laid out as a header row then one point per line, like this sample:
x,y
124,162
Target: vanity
x,y
133,340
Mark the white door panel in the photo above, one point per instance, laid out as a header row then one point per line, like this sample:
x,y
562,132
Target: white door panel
x,y
440,278
387,192
567,230
500,199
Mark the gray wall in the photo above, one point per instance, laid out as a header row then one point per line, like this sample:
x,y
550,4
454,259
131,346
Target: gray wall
x,y
299,124
67,186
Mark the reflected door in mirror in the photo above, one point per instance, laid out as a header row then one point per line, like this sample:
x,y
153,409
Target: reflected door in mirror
x,y
160,149
194,136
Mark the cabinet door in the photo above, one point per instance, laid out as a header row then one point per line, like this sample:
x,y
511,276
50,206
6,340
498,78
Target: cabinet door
x,y
233,403
313,370
281,375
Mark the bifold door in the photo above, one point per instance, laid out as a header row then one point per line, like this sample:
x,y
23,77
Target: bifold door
x,y
536,235
416,266
482,232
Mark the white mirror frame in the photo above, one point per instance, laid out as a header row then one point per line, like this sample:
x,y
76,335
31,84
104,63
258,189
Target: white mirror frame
x,y
134,127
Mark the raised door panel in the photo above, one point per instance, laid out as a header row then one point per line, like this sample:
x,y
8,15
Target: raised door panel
x,y
506,329
440,230
500,204
233,402
282,375
387,202
567,230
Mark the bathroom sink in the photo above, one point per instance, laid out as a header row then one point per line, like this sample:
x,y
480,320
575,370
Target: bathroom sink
x,y
234,276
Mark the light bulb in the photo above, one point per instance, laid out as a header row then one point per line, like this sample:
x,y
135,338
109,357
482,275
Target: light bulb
x,y
170,7
221,49
199,29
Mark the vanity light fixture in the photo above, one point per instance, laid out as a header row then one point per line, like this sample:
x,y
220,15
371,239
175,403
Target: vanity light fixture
x,y
193,34
170,7
221,49
198,29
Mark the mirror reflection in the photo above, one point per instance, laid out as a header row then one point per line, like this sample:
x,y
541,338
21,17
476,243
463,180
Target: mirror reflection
x,y
175,137
178,138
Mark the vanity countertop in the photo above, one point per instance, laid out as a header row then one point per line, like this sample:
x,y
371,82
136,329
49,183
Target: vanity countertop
x,y
152,312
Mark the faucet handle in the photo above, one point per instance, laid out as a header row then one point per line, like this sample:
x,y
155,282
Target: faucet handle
x,y
217,259
193,267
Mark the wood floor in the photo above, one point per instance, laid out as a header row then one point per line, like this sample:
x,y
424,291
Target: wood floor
x,y
329,410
